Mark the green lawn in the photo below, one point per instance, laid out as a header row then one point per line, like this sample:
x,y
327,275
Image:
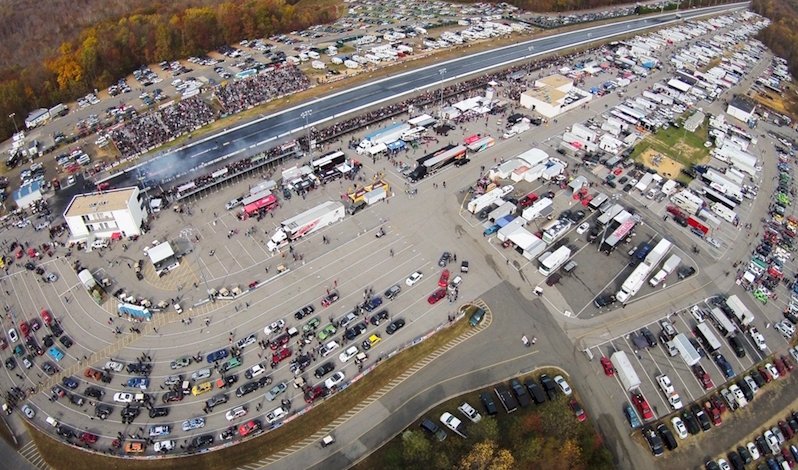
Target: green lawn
x,y
679,144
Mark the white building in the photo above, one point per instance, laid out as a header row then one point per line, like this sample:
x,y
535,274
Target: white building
x,y
741,109
37,117
27,195
108,214
553,96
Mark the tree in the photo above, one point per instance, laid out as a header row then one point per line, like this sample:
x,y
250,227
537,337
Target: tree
x,y
487,456
66,68
531,449
416,448
485,430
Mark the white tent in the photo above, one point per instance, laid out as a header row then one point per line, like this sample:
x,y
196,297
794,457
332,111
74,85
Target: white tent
x,y
160,252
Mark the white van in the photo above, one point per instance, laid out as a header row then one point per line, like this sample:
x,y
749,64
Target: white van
x,y
100,243
84,159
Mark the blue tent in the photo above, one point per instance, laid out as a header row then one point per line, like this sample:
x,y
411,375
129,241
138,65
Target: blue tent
x,y
135,311
505,220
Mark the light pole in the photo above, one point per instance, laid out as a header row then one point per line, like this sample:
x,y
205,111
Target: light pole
x,y
442,72
306,114
187,233
14,118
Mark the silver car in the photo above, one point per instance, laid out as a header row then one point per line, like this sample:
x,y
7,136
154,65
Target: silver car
x,y
276,391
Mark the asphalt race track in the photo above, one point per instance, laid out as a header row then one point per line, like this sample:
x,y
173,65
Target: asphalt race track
x,y
256,134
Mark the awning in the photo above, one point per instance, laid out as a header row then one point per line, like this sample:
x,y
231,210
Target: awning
x,y
116,236
160,252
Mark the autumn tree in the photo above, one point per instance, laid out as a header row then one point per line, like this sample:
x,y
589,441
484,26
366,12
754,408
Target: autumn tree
x,y
66,68
487,456
486,429
416,448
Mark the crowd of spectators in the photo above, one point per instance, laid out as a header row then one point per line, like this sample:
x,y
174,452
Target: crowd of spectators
x,y
243,94
151,130
451,94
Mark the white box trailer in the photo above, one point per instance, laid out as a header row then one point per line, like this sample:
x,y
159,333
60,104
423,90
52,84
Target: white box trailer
x,y
644,182
537,209
670,265
686,350
374,196
485,200
505,209
741,312
626,373
633,283
306,223
658,253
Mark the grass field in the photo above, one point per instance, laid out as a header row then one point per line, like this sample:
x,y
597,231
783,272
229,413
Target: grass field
x,y
547,426
64,457
679,144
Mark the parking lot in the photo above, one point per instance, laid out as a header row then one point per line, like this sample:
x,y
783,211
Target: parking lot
x,y
652,361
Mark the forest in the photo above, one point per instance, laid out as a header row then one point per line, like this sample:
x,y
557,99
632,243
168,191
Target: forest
x,y
782,34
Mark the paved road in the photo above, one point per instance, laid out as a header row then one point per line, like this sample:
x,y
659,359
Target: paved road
x,y
258,133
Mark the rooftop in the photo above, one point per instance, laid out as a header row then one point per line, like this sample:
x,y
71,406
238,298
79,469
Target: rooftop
x,y
742,104
546,94
556,81
105,201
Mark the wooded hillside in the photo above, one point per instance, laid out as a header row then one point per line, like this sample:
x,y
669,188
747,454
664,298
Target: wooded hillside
x,y
782,34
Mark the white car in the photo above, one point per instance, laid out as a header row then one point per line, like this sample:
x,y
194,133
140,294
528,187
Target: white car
x,y
414,278
254,371
161,430
751,384
328,348
115,366
193,423
794,353
738,395
450,421
348,354
244,342
164,446
758,338
679,427
236,412
785,327
470,412
713,242
723,464
275,415
70,180
334,379
582,228
12,335
773,442
123,397
753,450
274,327
566,389
28,411
773,372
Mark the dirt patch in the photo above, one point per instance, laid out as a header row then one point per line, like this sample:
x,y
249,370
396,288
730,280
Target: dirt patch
x,y
665,166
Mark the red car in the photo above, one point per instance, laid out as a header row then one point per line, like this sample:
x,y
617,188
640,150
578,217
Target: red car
x,y
718,403
3,343
249,427
436,296
606,363
329,300
312,393
280,355
23,328
88,437
765,375
703,377
786,430
577,409
642,405
780,367
528,200
788,457
713,413
46,317
444,280
787,363
279,341
617,171
587,200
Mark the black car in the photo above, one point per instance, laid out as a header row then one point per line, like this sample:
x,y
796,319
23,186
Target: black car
x,y
667,436
141,369
11,363
489,404
355,331
744,454
462,161
94,392
216,400
520,393
762,445
686,272
229,380
378,317
247,388
304,311
649,336
49,368
264,381
172,395
76,399
202,441
286,194
444,259
102,410
129,413
65,432
703,419
690,422
56,328
565,214
158,412
603,300
48,341
548,386
577,216
324,369
66,341
736,461
654,442
627,187
395,326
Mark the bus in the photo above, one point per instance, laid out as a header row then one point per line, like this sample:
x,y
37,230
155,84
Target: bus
x,y
328,161
551,261
711,343
445,158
